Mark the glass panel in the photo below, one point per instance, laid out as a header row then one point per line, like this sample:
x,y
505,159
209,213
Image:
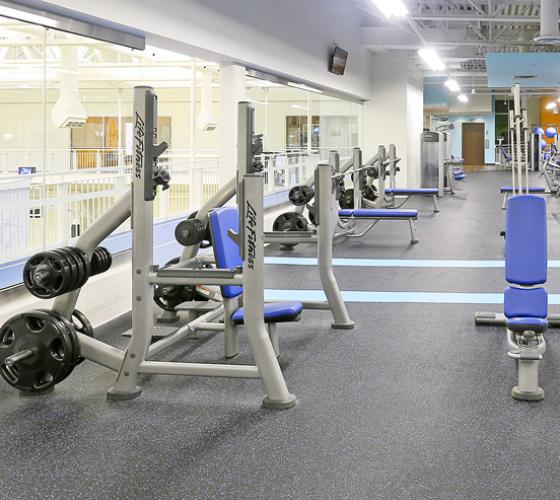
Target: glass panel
x,y
287,117
66,140
22,227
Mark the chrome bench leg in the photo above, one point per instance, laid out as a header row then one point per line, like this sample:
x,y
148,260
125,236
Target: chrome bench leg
x,y
436,208
413,237
527,349
273,334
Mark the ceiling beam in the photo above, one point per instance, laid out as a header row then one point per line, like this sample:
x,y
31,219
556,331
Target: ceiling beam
x,y
483,19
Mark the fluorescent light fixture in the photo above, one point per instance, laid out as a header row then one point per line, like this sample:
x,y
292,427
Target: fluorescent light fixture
x,y
299,106
22,15
550,105
432,59
463,98
452,85
304,87
390,8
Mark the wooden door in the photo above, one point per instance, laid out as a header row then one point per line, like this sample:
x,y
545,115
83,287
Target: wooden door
x,y
473,144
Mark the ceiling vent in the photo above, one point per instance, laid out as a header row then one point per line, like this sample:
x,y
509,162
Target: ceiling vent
x,y
68,110
549,24
206,121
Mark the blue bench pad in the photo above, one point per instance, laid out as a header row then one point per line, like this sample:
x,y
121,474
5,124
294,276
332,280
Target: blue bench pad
x,y
226,250
526,240
378,213
276,312
405,191
525,303
533,189
520,325
459,177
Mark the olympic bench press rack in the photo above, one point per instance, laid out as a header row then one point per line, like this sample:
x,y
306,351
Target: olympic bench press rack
x,y
139,203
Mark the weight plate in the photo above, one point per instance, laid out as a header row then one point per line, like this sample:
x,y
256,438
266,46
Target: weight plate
x,y
301,195
190,232
51,346
65,328
347,199
84,264
47,275
73,267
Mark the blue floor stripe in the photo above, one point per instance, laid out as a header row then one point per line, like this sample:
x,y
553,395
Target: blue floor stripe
x,y
398,297
467,264
391,297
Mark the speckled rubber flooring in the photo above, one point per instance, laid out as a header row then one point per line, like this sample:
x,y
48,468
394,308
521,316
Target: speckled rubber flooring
x,y
413,403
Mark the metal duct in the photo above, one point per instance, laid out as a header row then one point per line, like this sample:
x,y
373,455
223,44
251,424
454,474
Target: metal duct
x,y
68,110
206,121
549,23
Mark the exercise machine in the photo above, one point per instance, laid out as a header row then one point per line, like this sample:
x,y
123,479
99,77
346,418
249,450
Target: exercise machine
x,y
39,349
525,299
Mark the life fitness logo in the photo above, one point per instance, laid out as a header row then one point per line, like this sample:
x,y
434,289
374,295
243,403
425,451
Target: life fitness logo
x,y
251,218
140,134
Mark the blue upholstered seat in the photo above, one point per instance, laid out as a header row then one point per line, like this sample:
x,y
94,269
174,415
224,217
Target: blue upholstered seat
x,y
525,302
274,313
226,252
520,325
526,264
526,240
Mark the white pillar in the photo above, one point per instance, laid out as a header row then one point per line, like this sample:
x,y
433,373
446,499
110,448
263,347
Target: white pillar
x,y
394,115
232,90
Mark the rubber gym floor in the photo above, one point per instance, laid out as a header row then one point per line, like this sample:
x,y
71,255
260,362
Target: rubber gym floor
x,y
413,403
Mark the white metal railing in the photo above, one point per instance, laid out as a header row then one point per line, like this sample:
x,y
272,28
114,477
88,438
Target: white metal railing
x,y
40,211
12,161
285,170
322,152
46,210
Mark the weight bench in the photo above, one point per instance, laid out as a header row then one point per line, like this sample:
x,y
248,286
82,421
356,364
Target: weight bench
x,y
378,214
508,190
224,225
526,301
410,192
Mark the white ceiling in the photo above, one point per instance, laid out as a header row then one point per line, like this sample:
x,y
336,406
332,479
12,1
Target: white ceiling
x,y
463,32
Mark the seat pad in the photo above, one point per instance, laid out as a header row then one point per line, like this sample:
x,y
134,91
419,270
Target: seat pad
x,y
378,213
276,312
525,303
520,325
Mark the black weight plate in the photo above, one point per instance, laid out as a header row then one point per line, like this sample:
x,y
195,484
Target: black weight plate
x,y
53,351
66,329
73,267
109,259
347,199
84,264
58,270
78,265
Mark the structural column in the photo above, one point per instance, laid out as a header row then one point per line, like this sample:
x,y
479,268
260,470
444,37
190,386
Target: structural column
x,y
232,90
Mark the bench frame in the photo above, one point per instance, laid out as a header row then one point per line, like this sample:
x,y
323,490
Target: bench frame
x,y
349,225
391,199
